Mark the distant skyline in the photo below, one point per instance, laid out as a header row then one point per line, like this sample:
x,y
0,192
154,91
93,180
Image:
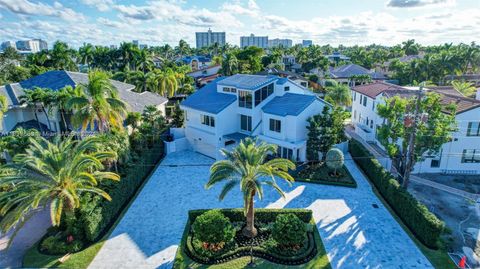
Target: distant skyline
x,y
157,22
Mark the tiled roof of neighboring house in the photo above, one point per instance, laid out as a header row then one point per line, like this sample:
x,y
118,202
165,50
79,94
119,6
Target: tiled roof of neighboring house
x,y
349,70
282,73
207,99
57,79
404,59
202,59
205,72
247,82
449,95
289,104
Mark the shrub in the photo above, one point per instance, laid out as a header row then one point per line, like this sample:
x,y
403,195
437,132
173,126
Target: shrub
x,y
212,227
289,230
334,159
261,214
423,223
56,245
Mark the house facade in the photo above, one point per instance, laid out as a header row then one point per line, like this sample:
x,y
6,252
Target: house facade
x,y
460,156
347,74
19,115
270,108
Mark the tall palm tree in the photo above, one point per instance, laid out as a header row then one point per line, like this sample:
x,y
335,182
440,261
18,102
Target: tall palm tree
x,y
3,107
144,61
61,99
164,82
248,167
99,105
62,57
466,88
338,94
38,98
86,53
128,52
52,174
230,64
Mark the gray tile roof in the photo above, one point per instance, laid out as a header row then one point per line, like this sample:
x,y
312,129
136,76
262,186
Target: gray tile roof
x,y
58,79
247,82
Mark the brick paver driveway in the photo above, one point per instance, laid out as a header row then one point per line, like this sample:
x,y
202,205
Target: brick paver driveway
x,y
355,234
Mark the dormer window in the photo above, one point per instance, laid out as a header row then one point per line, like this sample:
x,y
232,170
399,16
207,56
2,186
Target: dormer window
x,y
287,88
228,89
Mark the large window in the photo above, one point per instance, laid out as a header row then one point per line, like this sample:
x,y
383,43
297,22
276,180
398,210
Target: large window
x,y
364,101
284,153
471,156
228,89
263,94
245,123
207,120
275,125
245,99
473,129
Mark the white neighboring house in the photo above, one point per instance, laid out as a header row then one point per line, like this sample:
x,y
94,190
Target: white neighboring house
x,y
229,109
460,156
19,115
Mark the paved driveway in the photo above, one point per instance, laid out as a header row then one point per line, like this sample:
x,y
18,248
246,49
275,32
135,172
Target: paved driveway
x,y
355,234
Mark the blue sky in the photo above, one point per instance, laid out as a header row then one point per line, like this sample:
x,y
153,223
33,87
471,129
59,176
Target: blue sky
x,y
156,22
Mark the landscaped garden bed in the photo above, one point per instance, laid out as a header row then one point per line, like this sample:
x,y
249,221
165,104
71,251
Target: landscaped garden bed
x,y
321,174
275,227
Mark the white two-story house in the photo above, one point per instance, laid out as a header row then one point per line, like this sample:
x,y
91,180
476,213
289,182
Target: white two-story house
x,y
460,156
270,108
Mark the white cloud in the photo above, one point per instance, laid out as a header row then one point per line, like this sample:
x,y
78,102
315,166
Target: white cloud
x,y
102,5
251,9
419,3
26,7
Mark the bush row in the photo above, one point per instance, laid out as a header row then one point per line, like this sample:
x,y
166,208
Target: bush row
x,y
424,224
99,214
261,214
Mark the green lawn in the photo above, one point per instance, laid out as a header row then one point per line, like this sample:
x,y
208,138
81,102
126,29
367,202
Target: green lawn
x,y
320,173
320,261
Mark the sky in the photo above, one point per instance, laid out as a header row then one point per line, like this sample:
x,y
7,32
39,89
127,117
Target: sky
x,y
159,22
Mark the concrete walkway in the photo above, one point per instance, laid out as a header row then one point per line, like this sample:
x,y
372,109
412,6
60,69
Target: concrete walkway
x,y
355,233
30,233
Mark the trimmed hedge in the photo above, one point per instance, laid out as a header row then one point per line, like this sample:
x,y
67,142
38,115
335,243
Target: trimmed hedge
x,y
261,214
416,216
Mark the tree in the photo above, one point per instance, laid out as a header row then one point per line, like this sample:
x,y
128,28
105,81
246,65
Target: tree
x,y
35,99
99,105
246,166
229,65
324,131
3,107
338,94
164,82
86,53
133,120
177,116
214,229
62,57
334,160
61,99
18,140
466,88
52,174
431,126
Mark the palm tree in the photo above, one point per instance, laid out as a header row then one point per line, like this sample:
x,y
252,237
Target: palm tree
x,y
128,52
164,82
62,57
52,174
98,105
144,60
338,94
38,98
248,167
61,99
3,107
466,88
230,65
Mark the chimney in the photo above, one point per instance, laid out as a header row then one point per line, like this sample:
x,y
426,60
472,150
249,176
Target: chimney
x,y
477,96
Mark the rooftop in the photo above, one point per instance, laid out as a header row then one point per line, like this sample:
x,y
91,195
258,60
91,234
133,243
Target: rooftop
x,y
291,104
248,82
348,70
207,99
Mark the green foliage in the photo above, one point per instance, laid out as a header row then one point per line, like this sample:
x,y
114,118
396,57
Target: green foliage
x,y
335,159
55,245
213,227
262,214
424,224
178,116
289,230
338,94
324,131
18,141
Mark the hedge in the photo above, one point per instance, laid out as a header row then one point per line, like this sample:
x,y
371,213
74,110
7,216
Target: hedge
x,y
102,213
261,214
416,216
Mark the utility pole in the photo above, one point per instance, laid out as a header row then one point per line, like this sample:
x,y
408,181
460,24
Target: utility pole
x,y
411,142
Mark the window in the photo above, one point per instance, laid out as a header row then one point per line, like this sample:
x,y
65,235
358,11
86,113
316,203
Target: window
x,y
287,88
373,106
227,89
245,99
263,94
208,120
354,96
354,114
364,101
371,124
275,125
245,123
473,129
435,163
284,153
471,156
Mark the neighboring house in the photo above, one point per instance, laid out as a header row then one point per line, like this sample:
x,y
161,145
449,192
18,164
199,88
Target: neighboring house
x,y
204,76
197,62
229,109
460,156
385,67
336,57
19,115
285,74
346,74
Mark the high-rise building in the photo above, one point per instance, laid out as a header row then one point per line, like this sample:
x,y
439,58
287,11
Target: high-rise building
x,y
33,45
252,40
206,39
135,42
6,45
277,42
307,43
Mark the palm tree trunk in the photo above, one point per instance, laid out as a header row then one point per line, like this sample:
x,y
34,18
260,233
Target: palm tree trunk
x,y
38,122
62,115
250,230
48,119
